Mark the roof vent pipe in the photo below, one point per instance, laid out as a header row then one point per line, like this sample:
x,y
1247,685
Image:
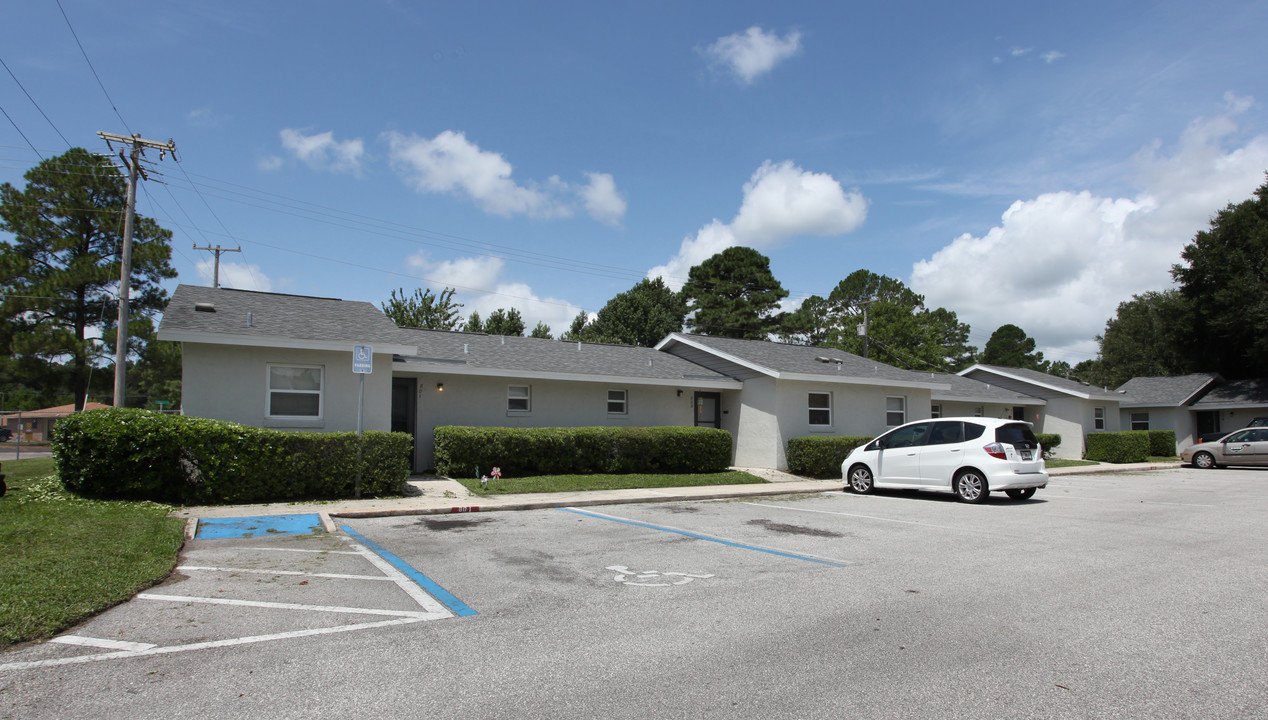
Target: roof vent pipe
x,y
578,346
250,319
464,348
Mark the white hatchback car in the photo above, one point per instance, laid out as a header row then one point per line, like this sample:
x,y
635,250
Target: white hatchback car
x,y
970,456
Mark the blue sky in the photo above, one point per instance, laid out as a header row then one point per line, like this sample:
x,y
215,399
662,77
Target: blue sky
x,y
1014,162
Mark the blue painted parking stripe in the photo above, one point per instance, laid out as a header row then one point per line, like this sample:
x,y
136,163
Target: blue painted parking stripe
x,y
446,598
613,518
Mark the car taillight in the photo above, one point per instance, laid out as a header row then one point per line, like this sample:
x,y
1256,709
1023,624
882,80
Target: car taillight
x,y
996,450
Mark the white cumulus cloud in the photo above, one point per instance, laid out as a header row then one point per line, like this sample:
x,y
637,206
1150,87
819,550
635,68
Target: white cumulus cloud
x,y
322,152
239,276
754,52
1059,264
450,163
480,287
781,201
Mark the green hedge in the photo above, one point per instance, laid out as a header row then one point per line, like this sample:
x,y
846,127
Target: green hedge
x,y
820,457
1118,447
520,452
1162,443
142,455
1049,442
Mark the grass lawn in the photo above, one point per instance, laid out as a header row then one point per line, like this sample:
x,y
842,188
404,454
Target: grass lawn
x,y
572,483
64,558
1060,463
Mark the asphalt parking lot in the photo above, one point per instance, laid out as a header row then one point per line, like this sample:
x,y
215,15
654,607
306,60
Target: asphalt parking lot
x,y
1127,595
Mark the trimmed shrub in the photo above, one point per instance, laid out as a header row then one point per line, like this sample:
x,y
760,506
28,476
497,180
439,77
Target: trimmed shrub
x,y
520,452
820,457
1118,447
1162,443
142,455
1049,442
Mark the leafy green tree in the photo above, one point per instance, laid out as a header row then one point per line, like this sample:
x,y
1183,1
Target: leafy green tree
x,y
1010,346
733,294
1147,337
473,324
1224,277
424,310
505,322
899,328
59,274
541,331
642,315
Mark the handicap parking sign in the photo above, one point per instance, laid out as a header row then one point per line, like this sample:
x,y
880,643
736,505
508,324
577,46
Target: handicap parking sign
x,y
362,359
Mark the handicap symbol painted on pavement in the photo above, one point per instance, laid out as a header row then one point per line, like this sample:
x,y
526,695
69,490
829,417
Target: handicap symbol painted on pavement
x,y
630,577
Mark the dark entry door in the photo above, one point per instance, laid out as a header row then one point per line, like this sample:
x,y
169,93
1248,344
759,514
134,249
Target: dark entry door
x,y
405,409
708,411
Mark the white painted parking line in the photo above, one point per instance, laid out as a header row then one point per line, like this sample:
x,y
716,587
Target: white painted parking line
x,y
335,576
101,643
295,606
207,645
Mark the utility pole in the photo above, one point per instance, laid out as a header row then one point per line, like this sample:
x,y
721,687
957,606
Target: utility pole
x,y
217,250
133,161
862,330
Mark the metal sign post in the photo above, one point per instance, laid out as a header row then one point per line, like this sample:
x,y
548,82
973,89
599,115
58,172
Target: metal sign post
x,y
362,365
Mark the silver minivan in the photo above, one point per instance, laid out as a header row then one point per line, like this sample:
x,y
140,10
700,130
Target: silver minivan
x,y
970,456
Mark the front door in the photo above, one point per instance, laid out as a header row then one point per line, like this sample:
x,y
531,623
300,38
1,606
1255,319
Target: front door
x,y
708,412
405,410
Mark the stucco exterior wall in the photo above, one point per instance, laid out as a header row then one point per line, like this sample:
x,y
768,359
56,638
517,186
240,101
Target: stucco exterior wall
x,y
226,382
481,401
1178,420
763,435
1034,413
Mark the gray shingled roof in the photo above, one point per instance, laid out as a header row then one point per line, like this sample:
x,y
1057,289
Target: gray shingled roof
x,y
1243,393
964,388
1173,391
785,359
244,313
441,351
1054,381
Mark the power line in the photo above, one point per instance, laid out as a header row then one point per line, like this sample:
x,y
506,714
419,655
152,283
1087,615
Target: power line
x,y
37,106
24,137
90,67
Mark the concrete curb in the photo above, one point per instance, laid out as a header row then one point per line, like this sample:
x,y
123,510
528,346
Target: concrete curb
x,y
495,506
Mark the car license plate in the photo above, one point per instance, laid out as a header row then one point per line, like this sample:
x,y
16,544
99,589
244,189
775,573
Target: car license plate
x,y
1027,455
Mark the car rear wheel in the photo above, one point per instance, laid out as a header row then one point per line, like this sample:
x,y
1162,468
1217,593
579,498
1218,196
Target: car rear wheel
x,y
970,487
861,480
1204,460
1021,493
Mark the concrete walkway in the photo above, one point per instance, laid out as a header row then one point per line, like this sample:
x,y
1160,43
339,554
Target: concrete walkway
x,y
435,496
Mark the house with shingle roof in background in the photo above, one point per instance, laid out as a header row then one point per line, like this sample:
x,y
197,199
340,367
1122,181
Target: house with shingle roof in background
x,y
970,398
1166,403
1072,409
793,391
1230,406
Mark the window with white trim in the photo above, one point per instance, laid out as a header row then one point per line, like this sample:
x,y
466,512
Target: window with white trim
x,y
935,411
1098,418
294,391
519,398
820,407
979,411
618,402
1140,421
895,411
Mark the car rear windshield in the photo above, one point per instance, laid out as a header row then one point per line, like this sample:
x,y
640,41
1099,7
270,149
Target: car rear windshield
x,y
1018,435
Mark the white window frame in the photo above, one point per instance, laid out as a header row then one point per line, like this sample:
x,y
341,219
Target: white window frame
x,y
320,392
1140,418
901,412
979,411
1098,418
812,409
511,397
623,402
935,411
